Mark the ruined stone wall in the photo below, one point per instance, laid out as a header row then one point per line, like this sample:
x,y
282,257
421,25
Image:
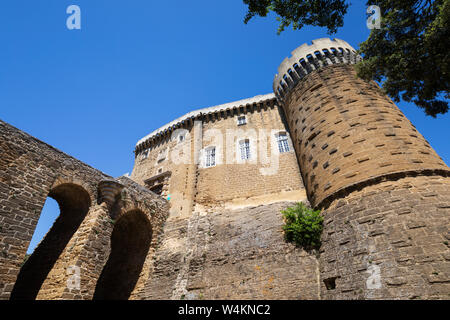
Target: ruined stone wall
x,y
89,202
233,180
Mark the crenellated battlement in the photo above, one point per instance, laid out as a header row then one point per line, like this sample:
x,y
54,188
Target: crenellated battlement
x,y
307,58
369,169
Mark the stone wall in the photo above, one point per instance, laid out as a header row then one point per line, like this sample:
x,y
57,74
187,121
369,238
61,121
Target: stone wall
x,y
269,175
231,181
178,176
389,241
231,254
384,191
90,203
348,131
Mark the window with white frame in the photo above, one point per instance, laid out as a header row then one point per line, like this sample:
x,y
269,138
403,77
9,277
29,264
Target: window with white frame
x,y
241,120
210,157
244,147
283,143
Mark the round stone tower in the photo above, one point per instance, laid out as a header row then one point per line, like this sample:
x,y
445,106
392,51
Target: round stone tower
x,y
385,192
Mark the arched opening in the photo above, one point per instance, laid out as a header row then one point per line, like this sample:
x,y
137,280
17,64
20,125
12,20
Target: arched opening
x,y
74,204
49,213
130,242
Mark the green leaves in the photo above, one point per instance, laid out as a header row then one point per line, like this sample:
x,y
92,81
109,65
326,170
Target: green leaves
x,y
303,226
322,13
410,53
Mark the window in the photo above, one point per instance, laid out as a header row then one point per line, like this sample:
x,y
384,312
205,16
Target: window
x,y
210,157
244,147
181,138
145,154
241,120
283,144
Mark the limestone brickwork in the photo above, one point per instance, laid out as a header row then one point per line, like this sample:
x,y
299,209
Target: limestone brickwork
x,y
160,166
389,241
241,180
223,238
268,176
232,254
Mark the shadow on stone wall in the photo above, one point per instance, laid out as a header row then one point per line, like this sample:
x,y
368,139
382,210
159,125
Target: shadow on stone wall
x,y
74,204
130,243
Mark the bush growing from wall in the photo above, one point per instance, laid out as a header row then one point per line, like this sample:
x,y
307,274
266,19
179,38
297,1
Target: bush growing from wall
x,y
303,226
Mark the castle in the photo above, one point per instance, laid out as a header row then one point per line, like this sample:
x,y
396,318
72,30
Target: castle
x,y
199,217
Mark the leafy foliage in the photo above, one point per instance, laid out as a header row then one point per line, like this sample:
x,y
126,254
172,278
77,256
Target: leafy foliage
x,y
322,13
303,226
409,54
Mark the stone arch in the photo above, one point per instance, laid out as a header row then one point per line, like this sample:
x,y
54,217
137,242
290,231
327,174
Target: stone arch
x,y
90,188
74,202
130,242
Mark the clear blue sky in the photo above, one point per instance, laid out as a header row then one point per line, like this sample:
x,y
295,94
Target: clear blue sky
x,y
136,65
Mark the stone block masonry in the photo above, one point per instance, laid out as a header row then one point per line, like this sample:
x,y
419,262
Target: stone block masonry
x,y
389,241
384,190
232,254
227,181
93,206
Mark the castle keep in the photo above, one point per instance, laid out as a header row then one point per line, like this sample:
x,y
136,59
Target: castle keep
x,y
199,217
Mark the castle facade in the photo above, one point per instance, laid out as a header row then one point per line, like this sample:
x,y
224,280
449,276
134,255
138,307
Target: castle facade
x,y
199,217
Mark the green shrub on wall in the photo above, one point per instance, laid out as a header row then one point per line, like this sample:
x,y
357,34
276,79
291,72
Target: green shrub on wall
x,y
303,226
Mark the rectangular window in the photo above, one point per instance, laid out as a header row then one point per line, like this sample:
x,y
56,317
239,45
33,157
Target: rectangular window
x,y
210,160
283,144
244,146
241,120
